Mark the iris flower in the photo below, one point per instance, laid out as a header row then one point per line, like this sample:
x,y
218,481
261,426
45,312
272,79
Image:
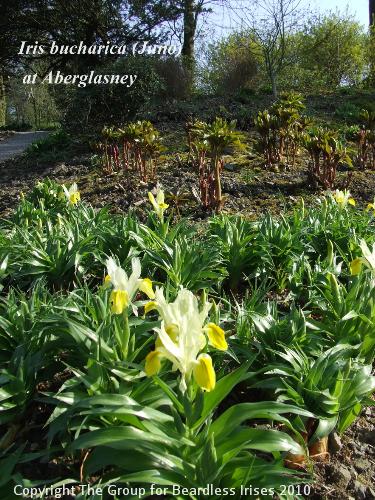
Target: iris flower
x,y
159,205
343,198
181,338
367,259
371,206
124,287
72,194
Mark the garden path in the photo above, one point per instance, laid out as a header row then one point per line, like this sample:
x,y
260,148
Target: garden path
x,y
17,143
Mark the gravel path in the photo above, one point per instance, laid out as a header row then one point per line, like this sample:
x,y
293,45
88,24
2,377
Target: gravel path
x,y
17,143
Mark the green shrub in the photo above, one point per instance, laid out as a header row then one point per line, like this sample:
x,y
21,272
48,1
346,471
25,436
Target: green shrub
x,y
348,112
94,106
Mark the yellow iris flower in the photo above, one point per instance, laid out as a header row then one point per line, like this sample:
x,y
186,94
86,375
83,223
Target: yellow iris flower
x,y
367,259
181,338
124,287
72,194
159,205
371,206
343,198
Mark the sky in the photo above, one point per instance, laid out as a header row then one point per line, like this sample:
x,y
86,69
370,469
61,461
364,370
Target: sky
x,y
357,7
224,22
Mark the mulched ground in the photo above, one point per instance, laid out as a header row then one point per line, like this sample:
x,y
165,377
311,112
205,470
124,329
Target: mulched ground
x,y
350,471
248,188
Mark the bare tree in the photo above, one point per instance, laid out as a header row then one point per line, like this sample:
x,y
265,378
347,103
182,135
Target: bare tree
x,y
372,12
270,22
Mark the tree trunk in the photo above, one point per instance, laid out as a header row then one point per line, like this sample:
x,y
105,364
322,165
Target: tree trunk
x,y
2,102
372,12
372,41
274,84
188,45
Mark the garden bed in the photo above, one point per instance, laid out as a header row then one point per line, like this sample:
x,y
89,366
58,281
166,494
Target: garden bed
x,y
276,282
248,188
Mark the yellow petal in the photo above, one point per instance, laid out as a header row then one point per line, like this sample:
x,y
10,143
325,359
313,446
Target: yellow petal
x,y
153,364
163,206
370,206
339,198
351,201
216,336
145,286
204,373
150,306
160,196
355,266
107,279
74,198
151,198
172,330
119,301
